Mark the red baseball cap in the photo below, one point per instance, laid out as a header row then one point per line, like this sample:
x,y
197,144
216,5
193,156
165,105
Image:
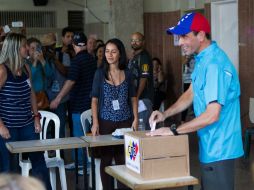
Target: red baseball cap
x,y
190,22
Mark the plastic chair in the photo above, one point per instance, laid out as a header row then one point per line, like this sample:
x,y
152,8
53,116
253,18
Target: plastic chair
x,y
51,162
87,116
249,130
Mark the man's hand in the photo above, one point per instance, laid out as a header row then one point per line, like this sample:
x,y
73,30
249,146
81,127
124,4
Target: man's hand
x,y
164,131
54,103
156,117
40,57
4,132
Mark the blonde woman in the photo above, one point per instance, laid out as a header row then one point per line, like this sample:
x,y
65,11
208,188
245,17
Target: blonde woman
x,y
19,118
13,181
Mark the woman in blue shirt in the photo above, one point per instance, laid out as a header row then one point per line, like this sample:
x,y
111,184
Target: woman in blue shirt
x,y
40,68
114,103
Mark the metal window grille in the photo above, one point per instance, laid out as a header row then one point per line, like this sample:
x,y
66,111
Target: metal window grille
x,y
31,19
76,20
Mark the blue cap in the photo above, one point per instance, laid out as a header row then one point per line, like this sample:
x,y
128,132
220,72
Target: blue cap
x,y
190,22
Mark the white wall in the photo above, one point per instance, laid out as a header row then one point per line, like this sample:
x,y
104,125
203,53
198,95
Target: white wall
x,y
99,8
226,31
60,6
171,5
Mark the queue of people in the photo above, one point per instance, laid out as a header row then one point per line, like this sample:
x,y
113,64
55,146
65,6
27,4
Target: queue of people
x,y
120,90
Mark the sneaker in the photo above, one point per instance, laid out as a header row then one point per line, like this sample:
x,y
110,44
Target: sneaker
x,y
81,173
71,166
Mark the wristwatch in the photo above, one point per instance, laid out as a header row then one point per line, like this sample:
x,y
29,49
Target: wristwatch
x,y
173,129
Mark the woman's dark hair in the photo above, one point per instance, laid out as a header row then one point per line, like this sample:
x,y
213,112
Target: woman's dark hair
x,y
99,42
99,46
123,58
32,39
95,53
157,59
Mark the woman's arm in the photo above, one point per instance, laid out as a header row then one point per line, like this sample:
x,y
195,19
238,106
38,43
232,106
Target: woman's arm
x,y
134,102
4,132
37,124
95,127
97,81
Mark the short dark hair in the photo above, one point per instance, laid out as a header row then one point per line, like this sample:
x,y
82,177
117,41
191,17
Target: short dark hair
x,y
123,58
67,29
32,39
208,36
157,59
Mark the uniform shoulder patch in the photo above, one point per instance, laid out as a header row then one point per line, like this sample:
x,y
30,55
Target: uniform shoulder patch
x,y
145,68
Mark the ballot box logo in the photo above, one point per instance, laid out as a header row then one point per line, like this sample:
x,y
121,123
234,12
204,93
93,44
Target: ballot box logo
x,y
132,153
133,150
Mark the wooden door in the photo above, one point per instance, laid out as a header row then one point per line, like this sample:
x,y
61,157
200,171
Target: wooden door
x,y
246,50
160,45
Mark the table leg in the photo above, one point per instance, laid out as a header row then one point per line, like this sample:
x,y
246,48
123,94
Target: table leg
x,y
85,169
190,187
93,170
76,165
112,182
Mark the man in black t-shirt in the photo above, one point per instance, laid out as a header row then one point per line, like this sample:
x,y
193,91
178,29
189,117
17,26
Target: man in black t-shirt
x,y
79,84
142,70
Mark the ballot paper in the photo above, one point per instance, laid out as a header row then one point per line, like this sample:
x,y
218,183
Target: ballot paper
x,y
141,106
153,125
120,132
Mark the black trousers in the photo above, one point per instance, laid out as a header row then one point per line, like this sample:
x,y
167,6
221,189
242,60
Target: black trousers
x,y
218,175
110,152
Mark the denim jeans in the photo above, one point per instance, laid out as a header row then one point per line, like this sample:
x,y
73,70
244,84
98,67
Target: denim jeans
x,y
60,111
78,132
147,113
7,161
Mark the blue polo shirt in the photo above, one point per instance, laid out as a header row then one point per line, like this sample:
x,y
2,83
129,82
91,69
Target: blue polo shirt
x,y
215,79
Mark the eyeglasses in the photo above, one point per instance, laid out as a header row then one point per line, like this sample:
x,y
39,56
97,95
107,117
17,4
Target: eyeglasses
x,y
136,40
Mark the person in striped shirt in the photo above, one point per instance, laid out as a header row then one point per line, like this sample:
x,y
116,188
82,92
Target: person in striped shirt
x,y
19,117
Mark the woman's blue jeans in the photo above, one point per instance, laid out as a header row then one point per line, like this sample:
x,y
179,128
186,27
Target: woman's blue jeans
x,y
78,132
9,163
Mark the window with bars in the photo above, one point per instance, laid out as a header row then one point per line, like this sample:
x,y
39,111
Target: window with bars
x,y
76,20
31,19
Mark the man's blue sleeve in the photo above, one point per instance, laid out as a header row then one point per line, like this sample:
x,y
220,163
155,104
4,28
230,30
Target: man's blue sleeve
x,y
217,84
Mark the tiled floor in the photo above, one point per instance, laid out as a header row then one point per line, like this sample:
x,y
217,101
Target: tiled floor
x,y
244,178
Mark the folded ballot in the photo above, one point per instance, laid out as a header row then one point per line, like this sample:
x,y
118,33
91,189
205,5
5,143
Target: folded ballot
x,y
120,132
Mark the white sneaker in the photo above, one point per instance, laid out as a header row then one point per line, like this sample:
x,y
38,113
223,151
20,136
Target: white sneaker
x,y
71,166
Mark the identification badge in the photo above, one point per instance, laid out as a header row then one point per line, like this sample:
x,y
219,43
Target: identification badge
x,y
115,105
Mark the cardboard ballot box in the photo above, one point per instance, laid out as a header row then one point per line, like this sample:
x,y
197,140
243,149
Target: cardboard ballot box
x,y
158,156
